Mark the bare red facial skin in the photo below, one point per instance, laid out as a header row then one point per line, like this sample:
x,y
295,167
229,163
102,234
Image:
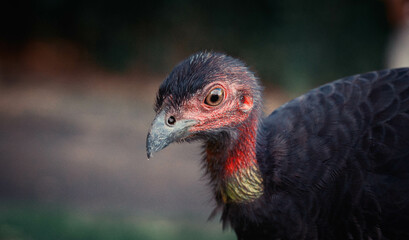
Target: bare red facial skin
x,y
234,109
228,113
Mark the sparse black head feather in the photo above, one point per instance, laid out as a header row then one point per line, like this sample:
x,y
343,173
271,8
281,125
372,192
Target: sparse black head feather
x,y
196,72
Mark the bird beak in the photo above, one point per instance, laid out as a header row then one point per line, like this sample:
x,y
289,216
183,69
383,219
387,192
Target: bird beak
x,y
162,134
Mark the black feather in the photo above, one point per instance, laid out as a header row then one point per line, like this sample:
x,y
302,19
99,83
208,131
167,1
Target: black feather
x,y
334,162
333,155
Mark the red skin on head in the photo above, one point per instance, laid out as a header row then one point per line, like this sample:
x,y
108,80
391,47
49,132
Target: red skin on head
x,y
233,110
229,113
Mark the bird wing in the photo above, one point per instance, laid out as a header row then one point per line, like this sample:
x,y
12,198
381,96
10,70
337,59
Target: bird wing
x,y
360,121
340,153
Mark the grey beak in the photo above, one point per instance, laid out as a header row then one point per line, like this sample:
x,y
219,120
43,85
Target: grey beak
x,y
162,134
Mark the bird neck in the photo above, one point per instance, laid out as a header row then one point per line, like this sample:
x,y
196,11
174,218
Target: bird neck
x,y
232,163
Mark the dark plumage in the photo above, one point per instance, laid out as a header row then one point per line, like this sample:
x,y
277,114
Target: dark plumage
x,y
330,164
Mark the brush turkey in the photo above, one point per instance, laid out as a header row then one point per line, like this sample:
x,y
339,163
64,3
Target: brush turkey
x,y
330,164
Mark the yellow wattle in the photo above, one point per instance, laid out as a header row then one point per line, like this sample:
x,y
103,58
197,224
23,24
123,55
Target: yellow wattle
x,y
245,185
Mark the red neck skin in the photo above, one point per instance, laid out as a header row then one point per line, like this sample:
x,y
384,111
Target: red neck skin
x,y
243,154
233,151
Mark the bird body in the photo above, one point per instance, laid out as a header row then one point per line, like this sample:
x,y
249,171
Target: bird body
x,y
330,164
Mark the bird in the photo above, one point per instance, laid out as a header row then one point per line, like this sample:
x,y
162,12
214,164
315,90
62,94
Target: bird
x,y
330,164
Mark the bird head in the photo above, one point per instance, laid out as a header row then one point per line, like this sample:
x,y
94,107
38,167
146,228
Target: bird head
x,y
205,95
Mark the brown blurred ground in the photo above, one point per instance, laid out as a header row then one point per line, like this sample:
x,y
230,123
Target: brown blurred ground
x,y
72,134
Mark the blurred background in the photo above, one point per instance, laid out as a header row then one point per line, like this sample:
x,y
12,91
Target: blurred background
x,y
78,81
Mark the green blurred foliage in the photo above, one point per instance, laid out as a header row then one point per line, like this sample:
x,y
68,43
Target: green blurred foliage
x,y
295,43
31,222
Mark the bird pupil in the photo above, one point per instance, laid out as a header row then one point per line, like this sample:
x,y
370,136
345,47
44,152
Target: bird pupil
x,y
214,98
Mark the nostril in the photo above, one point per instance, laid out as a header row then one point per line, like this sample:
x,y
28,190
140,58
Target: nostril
x,y
171,120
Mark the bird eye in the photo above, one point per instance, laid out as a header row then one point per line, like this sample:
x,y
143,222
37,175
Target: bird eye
x,y
215,97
